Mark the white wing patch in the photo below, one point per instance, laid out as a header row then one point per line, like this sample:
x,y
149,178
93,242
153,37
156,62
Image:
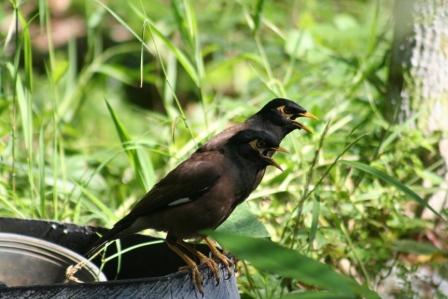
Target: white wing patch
x,y
179,201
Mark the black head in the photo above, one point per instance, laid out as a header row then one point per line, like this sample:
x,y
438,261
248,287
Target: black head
x,y
257,146
283,113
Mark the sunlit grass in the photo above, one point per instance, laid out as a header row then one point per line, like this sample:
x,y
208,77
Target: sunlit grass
x,y
73,147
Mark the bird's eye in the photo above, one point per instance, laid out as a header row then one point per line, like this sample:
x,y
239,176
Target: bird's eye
x,y
261,144
288,110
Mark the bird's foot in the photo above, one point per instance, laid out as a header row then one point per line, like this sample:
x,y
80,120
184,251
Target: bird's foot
x,y
212,265
223,259
228,263
203,259
196,276
191,266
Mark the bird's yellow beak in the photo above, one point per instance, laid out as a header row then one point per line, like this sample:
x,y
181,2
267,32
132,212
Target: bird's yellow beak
x,y
308,115
302,126
279,149
269,152
272,162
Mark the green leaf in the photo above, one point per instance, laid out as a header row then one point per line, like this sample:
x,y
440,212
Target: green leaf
x,y
41,166
271,257
315,221
257,15
24,101
59,70
115,72
412,246
244,222
181,57
103,209
140,161
315,295
27,50
392,181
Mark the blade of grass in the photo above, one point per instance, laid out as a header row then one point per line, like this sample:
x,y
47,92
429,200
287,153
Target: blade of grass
x,y
182,21
257,15
128,249
177,101
104,209
27,50
41,166
42,4
314,222
392,181
268,256
24,103
316,295
8,202
308,181
140,161
181,57
355,255
411,246
373,32
71,101
319,182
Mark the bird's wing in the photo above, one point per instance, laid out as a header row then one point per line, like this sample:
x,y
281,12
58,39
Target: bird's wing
x,y
185,183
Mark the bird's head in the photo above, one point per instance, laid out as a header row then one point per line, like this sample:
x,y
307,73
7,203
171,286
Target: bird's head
x,y
257,146
283,113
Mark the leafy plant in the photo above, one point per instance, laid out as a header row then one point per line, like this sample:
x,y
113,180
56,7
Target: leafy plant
x,y
173,74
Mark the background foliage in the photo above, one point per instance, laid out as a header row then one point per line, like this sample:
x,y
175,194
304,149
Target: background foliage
x,y
100,99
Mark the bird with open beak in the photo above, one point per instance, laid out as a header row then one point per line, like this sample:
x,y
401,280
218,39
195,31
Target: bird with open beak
x,y
200,194
278,117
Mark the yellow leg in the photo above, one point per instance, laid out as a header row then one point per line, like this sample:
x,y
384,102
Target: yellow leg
x,y
196,275
203,259
221,257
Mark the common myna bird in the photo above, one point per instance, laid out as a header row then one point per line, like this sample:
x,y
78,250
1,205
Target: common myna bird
x,y
278,117
200,194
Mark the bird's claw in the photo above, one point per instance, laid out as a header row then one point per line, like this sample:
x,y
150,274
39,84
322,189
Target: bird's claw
x,y
222,258
228,263
213,266
196,277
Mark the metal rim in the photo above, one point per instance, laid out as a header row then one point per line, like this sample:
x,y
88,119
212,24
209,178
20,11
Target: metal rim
x,y
26,243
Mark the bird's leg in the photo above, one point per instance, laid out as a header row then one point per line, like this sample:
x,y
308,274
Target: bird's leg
x,y
203,259
221,257
196,275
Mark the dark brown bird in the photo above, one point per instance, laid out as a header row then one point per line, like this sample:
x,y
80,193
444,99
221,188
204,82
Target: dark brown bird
x,y
278,117
200,194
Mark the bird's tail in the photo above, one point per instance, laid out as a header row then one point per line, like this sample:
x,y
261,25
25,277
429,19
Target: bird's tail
x,y
114,233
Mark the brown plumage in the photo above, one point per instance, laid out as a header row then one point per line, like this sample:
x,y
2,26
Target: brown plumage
x,y
202,191
277,117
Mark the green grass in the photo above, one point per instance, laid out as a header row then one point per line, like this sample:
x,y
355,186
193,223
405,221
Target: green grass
x,y
74,148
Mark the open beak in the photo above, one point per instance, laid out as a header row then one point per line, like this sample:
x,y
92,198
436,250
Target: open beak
x,y
272,162
279,149
308,115
302,126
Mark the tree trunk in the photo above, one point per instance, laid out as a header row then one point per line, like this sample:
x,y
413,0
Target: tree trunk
x,y
418,76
